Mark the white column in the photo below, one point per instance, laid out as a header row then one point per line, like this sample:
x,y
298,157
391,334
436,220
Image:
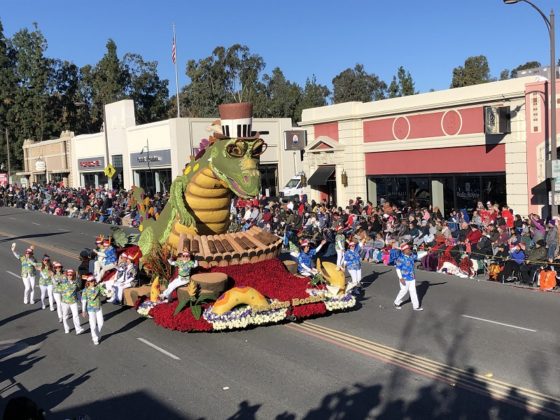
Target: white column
x,y
437,195
156,181
372,191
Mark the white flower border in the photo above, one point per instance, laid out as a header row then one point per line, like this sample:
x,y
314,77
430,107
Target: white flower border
x,y
243,316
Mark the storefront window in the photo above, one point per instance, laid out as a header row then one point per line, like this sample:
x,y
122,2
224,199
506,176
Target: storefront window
x,y
392,189
493,189
94,179
467,191
419,192
459,191
154,181
269,179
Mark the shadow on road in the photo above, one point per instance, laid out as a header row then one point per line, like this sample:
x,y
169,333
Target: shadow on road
x,y
117,311
34,235
124,328
17,316
452,389
137,405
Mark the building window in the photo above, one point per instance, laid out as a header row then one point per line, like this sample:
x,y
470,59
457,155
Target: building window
x,y
269,179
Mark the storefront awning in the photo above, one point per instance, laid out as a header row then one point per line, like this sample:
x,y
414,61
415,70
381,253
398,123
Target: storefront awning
x,y
321,175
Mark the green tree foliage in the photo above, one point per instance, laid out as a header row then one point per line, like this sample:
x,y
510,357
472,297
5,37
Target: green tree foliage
x,y
231,74
401,85
504,74
146,89
474,71
282,96
28,115
313,95
109,80
528,65
357,85
8,85
67,109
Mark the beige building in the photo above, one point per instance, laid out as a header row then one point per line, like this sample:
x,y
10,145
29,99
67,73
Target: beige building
x,y
448,149
152,155
48,161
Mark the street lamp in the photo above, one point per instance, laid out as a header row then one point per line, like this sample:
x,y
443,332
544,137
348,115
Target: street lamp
x,y
147,148
552,100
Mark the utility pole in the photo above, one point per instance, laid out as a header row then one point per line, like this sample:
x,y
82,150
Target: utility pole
x,y
8,153
107,156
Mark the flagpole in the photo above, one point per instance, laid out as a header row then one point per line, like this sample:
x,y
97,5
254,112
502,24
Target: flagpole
x,y
176,73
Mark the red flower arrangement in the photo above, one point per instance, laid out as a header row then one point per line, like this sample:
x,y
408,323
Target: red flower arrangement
x,y
183,321
310,310
270,277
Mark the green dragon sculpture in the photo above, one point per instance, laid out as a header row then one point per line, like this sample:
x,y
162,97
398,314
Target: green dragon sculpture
x,y
200,199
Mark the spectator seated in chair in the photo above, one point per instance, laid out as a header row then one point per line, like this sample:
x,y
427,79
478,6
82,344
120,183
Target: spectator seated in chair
x,y
513,263
536,259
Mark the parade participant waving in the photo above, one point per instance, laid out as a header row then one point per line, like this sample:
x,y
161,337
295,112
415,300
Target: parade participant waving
x,y
107,259
70,302
339,242
353,263
305,259
185,264
407,279
27,273
45,281
58,280
126,277
91,307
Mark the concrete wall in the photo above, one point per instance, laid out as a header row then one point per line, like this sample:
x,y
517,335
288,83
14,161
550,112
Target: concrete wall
x,y
180,135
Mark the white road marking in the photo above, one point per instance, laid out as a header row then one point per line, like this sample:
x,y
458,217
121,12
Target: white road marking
x,y
499,323
13,274
36,224
12,218
158,348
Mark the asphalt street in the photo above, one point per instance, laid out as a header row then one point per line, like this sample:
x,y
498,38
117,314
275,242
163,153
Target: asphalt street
x,y
478,350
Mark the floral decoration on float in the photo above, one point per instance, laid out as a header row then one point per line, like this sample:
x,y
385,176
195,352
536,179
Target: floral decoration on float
x,y
289,298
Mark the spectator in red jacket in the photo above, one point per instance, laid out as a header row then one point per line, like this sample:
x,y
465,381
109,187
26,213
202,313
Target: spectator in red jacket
x,y
507,215
474,235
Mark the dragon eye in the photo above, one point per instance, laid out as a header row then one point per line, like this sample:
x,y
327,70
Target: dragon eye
x,y
258,148
236,149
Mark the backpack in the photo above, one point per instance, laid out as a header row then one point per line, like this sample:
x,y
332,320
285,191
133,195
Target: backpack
x,y
547,279
494,271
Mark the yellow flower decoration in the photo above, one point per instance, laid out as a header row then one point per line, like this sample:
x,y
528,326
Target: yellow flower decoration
x,y
191,288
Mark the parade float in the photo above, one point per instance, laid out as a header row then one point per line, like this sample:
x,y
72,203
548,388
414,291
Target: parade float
x,y
240,280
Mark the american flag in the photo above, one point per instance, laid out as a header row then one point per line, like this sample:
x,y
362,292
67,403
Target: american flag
x,y
174,50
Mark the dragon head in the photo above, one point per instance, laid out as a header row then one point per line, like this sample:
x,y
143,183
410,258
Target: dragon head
x,y
235,162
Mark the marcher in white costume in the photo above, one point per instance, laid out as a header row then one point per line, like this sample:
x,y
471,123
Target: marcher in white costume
x,y
27,273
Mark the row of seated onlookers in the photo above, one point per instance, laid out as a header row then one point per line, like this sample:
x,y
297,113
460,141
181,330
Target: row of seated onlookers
x,y
509,262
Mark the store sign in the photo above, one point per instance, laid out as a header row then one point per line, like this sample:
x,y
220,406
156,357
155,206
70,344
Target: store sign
x,y
40,165
295,139
156,158
91,164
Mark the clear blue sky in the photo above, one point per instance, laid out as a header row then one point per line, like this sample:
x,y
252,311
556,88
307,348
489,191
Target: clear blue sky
x,y
429,38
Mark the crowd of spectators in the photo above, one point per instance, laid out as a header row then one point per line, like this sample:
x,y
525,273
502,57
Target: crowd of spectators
x,y
93,204
462,242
